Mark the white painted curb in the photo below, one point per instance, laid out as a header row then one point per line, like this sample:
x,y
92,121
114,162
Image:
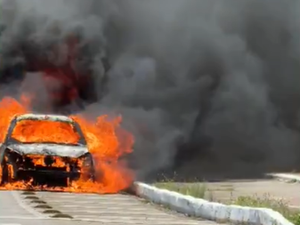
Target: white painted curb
x,y
285,176
209,210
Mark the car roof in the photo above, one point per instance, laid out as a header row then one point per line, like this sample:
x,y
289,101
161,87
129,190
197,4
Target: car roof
x,y
47,117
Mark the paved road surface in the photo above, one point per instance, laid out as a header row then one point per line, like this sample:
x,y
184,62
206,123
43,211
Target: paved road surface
x,y
25,208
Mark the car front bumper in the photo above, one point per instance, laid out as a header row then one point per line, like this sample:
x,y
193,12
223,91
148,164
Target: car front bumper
x,y
47,173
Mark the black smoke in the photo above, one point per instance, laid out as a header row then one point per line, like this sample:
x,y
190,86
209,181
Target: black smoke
x,y
201,84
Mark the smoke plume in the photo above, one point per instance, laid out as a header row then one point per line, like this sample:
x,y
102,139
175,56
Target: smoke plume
x,y
197,82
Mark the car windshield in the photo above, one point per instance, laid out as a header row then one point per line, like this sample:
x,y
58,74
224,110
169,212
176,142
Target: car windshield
x,y
44,131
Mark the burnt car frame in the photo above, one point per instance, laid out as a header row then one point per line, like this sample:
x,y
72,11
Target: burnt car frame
x,y
17,164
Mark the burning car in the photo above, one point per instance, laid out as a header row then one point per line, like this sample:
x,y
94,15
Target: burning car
x,y
59,154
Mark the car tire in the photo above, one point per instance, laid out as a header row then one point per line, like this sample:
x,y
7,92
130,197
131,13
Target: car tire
x,y
88,175
88,170
4,173
10,168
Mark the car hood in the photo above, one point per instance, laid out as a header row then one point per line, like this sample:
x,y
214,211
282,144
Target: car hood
x,y
49,149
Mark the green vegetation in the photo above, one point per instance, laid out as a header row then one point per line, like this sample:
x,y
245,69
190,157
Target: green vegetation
x,y
200,190
267,202
194,189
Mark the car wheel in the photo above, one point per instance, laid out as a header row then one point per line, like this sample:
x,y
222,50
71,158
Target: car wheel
x,y
4,173
87,174
88,171
12,171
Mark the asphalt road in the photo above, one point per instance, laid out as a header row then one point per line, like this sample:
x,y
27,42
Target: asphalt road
x,y
50,208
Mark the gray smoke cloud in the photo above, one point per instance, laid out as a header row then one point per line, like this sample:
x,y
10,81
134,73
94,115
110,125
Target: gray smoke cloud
x,y
226,73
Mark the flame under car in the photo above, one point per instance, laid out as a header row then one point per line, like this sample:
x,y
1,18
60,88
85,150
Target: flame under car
x,y
47,149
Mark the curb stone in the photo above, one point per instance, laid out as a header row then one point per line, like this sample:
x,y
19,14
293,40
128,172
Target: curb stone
x,y
204,209
285,176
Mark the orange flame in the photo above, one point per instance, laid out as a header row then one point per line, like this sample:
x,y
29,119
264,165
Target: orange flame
x,y
45,131
106,140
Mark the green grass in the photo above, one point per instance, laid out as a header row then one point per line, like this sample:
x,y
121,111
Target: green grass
x,y
194,189
199,190
267,202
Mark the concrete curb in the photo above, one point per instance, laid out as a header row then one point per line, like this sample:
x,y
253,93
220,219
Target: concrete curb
x,y
201,208
285,176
